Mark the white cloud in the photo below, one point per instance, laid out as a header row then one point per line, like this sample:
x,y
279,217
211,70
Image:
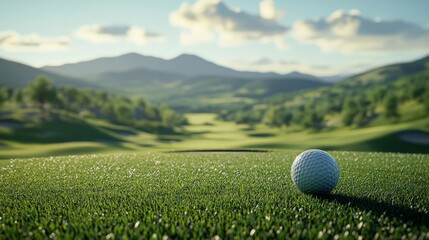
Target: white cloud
x,y
103,34
352,33
12,41
268,10
212,20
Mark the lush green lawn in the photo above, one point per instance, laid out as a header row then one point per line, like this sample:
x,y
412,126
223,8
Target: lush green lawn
x,y
62,137
204,195
209,133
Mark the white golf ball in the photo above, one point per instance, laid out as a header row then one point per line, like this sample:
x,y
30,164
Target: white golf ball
x,y
315,171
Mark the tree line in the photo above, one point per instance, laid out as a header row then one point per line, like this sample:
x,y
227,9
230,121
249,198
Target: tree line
x,y
353,106
90,103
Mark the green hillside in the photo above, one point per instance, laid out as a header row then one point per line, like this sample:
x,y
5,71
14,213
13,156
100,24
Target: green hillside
x,y
389,73
385,95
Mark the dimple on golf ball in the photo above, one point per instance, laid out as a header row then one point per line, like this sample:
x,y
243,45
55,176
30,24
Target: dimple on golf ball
x,y
315,171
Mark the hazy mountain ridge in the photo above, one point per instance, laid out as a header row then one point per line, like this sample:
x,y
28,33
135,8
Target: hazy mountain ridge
x,y
183,79
184,64
18,75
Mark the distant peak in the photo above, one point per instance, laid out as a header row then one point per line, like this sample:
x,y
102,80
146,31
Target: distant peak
x,y
131,54
187,56
294,73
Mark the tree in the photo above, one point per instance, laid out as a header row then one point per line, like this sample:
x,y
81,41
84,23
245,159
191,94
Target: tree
x,y
41,92
272,117
67,98
287,118
140,109
108,110
9,93
18,97
312,119
123,112
3,96
390,105
168,117
425,98
364,107
349,112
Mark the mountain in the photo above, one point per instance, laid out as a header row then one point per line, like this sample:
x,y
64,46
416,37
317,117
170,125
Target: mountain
x,y
181,91
191,65
18,75
185,64
184,81
106,64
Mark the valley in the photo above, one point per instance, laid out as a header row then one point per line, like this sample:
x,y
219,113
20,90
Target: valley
x,y
229,110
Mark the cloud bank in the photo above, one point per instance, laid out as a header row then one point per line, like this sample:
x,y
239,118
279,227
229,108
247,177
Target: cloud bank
x,y
103,34
212,20
12,41
352,33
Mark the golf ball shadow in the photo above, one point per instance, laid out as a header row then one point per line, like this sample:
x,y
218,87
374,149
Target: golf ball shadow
x,y
315,172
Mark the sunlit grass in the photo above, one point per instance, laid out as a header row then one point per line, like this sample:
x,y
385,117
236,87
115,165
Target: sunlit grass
x,y
204,195
206,132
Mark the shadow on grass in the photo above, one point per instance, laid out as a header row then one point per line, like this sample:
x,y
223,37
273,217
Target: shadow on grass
x,y
261,135
198,133
220,151
408,215
166,139
391,142
248,128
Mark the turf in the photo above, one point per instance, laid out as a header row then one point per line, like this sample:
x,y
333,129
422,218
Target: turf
x,y
211,195
62,137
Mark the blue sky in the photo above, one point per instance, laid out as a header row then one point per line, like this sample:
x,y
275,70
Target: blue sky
x,y
314,37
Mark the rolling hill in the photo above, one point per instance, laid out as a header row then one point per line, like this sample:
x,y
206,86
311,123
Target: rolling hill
x,y
388,73
17,75
384,76
388,94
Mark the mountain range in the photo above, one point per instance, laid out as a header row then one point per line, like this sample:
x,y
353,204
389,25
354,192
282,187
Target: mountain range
x,y
177,81
184,65
186,82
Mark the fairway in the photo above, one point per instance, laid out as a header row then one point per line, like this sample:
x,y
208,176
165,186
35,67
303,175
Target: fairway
x,y
204,195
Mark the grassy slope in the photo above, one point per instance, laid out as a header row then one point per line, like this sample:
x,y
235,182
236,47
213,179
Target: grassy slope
x,y
204,133
203,195
390,72
396,78
212,134
61,134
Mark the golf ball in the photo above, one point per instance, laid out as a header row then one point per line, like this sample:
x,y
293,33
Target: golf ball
x,y
315,171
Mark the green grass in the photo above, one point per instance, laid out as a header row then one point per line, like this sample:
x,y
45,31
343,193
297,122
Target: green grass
x,y
204,195
204,132
219,134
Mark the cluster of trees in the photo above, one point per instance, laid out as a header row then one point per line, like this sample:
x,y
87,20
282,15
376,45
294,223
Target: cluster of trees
x,y
92,104
356,106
